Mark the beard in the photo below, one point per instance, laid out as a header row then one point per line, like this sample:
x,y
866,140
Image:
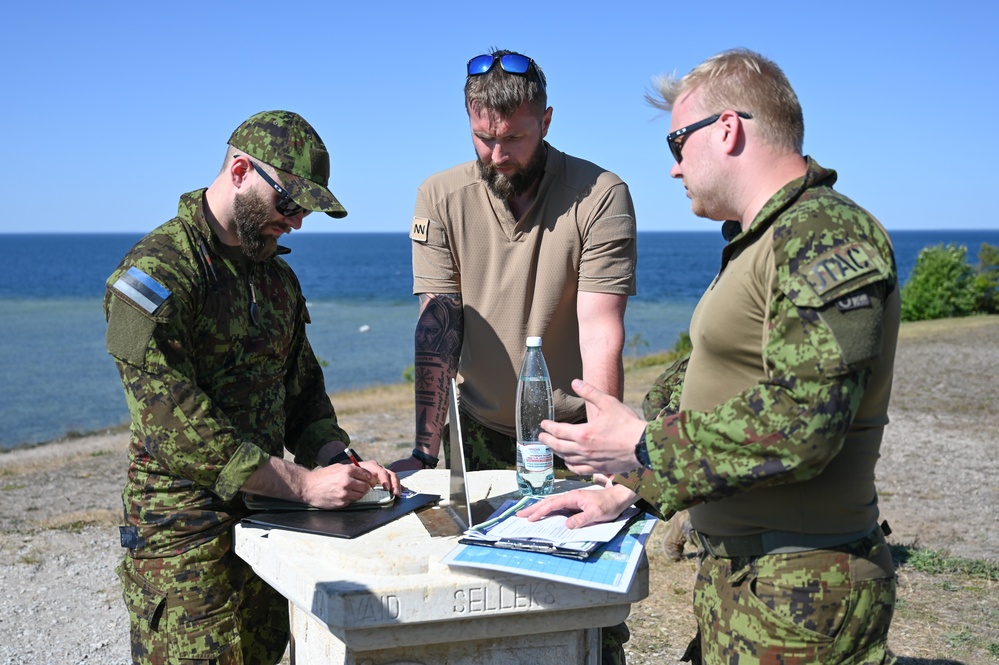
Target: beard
x,y
251,215
518,182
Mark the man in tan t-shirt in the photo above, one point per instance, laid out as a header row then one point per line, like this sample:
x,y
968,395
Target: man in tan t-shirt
x,y
525,241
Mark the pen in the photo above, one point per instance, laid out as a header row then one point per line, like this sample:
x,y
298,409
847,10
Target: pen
x,y
352,456
208,260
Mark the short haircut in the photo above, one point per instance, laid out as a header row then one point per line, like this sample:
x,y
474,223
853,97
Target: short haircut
x,y
504,93
740,80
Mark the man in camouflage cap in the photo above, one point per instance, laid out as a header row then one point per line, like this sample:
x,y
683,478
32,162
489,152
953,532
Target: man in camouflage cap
x,y
206,324
770,429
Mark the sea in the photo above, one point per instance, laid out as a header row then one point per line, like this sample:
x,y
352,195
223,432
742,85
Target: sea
x,y
57,381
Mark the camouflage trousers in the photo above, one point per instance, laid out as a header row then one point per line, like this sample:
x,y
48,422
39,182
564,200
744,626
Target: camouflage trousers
x,y
202,607
819,606
485,448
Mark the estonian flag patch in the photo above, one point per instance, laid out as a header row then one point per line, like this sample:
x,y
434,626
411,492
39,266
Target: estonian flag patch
x,y
141,289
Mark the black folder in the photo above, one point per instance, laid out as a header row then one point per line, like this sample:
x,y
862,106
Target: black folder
x,y
338,523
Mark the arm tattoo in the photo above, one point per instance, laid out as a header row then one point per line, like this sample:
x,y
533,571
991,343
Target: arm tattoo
x,y
438,341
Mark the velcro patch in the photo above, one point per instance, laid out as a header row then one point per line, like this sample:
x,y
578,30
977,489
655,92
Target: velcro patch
x,y
853,301
420,230
129,536
838,266
141,289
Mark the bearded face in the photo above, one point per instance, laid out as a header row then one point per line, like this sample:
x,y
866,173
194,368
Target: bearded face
x,y
253,216
517,182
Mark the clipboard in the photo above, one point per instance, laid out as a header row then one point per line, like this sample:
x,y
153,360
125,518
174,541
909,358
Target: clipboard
x,y
535,546
580,550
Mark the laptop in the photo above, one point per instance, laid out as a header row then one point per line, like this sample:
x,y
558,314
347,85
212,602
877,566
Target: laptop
x,y
458,504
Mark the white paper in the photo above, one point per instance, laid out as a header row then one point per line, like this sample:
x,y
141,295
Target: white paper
x,y
551,529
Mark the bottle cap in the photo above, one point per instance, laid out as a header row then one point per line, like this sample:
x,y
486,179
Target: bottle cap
x,y
534,341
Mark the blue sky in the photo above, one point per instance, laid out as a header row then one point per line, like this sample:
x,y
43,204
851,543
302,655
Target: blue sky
x,y
113,109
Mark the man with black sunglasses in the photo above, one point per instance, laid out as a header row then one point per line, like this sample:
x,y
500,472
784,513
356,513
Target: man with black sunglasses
x,y
768,432
206,324
523,241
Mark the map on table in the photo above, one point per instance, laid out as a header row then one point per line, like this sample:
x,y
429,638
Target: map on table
x,y
611,568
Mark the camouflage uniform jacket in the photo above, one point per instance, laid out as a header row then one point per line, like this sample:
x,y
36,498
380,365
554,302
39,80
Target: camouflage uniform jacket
x,y
214,389
785,433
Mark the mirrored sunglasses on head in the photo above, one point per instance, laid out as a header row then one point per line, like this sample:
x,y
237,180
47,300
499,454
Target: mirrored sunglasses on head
x,y
511,63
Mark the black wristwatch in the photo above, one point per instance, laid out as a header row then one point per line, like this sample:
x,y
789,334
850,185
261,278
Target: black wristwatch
x,y
343,458
426,459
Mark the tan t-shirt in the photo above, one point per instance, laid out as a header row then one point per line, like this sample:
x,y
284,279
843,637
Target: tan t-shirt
x,y
520,278
732,328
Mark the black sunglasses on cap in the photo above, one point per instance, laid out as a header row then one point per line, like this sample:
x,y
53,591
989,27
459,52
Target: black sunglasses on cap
x,y
285,206
675,140
511,63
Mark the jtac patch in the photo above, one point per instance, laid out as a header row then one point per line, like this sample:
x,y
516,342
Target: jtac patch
x,y
141,289
420,230
838,266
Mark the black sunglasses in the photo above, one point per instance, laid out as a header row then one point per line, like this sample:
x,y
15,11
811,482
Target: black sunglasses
x,y
675,140
285,206
511,63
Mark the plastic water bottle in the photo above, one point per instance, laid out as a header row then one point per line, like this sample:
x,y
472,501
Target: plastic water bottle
x,y
535,462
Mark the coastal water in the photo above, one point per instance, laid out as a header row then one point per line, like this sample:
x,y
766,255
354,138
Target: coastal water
x,y
57,378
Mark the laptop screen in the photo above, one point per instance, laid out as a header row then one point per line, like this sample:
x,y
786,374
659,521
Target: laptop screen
x,y
458,499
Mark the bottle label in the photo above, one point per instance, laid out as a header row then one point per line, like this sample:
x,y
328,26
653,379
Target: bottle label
x,y
536,456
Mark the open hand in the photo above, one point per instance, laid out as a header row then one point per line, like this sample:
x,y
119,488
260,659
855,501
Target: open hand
x,y
593,506
605,444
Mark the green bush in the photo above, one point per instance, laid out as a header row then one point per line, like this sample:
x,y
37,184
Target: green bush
x,y
944,284
987,279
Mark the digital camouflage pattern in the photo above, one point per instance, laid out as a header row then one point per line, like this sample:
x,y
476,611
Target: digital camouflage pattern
x,y
760,456
204,606
786,428
218,377
820,606
287,142
663,398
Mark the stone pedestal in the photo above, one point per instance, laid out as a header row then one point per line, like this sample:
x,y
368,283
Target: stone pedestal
x,y
385,598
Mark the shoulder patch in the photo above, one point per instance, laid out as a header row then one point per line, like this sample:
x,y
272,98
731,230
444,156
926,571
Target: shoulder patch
x,y
837,266
420,230
141,289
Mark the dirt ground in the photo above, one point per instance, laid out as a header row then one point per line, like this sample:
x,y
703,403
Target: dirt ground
x,y
938,480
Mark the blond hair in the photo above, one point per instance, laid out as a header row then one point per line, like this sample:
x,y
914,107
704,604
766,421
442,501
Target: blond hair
x,y
740,80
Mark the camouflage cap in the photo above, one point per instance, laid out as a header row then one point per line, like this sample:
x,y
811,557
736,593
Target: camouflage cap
x,y
287,142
